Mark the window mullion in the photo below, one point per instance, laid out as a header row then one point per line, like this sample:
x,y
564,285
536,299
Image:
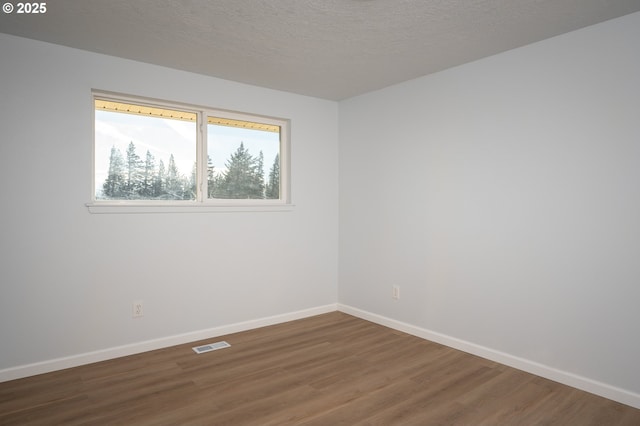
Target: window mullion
x,y
201,160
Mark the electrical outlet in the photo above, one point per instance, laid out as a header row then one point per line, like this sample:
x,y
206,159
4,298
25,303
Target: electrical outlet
x,y
137,309
396,292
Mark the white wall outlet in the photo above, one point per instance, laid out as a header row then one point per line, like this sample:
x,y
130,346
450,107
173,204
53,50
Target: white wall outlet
x,y
137,309
395,292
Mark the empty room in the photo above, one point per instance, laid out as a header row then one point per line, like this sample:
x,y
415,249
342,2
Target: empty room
x,y
315,212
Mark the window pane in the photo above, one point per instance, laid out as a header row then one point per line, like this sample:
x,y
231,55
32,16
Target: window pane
x,y
144,153
243,159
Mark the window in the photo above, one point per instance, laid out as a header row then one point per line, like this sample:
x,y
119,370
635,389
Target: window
x,y
151,154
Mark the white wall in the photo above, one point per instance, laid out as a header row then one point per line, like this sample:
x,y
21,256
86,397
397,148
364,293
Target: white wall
x,y
503,196
68,277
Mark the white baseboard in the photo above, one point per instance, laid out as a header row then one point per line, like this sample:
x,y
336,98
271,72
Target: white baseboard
x,y
149,345
592,386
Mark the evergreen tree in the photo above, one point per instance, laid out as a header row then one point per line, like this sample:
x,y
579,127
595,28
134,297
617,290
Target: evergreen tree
x,y
273,186
192,183
148,174
258,177
112,186
133,173
244,178
173,183
241,179
159,181
211,178
215,181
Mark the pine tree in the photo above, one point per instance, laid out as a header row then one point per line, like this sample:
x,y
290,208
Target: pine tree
x,y
173,186
240,181
273,186
215,181
133,173
112,187
159,181
211,175
257,189
192,183
148,173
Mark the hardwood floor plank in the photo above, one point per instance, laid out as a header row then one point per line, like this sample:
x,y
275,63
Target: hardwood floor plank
x,y
331,369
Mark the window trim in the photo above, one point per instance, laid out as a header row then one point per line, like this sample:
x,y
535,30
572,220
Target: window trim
x,y
201,204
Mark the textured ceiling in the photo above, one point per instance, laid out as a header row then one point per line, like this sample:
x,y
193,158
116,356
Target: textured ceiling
x,y
331,49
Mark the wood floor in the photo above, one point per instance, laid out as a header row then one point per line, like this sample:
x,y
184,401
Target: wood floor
x,y
331,369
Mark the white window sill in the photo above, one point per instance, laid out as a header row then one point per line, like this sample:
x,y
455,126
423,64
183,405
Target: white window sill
x,y
133,208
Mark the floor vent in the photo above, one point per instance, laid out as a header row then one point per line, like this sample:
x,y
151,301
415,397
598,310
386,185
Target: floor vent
x,y
210,347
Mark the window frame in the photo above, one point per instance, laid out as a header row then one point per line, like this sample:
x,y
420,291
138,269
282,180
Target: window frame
x,y
202,204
